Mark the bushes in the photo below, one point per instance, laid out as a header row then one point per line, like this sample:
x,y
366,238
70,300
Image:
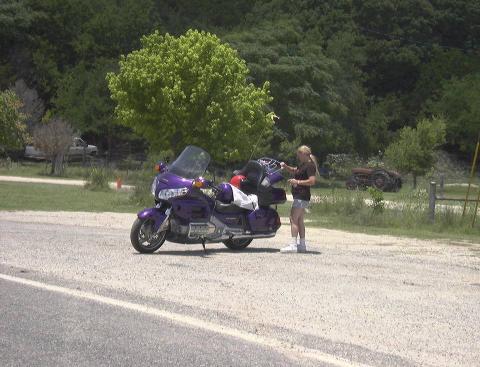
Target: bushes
x,y
143,178
407,214
378,202
340,202
141,194
98,179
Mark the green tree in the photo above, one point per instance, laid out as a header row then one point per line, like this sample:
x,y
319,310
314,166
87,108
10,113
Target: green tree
x,y
191,89
413,151
88,31
180,15
444,65
16,19
459,102
83,99
318,101
13,131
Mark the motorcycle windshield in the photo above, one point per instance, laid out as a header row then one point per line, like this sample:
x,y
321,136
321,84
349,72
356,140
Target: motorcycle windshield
x,y
191,163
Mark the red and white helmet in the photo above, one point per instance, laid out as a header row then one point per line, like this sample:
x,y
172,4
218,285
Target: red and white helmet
x,y
237,180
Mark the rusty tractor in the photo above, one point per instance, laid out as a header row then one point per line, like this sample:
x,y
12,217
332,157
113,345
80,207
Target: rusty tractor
x,y
379,178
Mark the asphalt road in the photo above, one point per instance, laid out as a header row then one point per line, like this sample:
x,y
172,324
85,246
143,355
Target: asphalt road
x,y
73,292
41,328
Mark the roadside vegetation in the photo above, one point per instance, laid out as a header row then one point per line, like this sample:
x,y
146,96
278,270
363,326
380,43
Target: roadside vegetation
x,y
335,208
48,197
368,84
407,215
345,76
98,179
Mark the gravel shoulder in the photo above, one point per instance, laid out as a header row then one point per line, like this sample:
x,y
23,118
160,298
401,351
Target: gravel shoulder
x,y
387,300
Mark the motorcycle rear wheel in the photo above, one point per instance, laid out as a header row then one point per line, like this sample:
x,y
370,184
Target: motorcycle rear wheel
x,y
238,244
144,238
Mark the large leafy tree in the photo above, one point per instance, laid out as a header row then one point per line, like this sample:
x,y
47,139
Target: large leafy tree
x,y
413,151
16,18
394,33
180,15
88,31
456,24
83,98
319,99
444,65
12,122
459,103
191,89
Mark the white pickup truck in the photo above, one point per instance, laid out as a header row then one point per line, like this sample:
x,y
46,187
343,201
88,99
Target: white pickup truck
x,y
75,151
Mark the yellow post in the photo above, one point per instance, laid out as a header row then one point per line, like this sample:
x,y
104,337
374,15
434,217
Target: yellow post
x,y
476,208
472,174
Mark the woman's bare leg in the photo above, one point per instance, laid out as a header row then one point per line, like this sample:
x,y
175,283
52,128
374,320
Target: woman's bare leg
x,y
301,224
295,214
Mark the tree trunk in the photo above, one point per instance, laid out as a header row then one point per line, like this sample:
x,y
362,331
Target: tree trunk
x,y
58,164
52,170
109,146
414,181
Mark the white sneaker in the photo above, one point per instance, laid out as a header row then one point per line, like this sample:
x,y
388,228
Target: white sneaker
x,y
301,248
290,249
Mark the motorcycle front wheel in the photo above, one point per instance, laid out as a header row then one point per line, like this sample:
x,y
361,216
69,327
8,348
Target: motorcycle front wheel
x,y
144,238
238,244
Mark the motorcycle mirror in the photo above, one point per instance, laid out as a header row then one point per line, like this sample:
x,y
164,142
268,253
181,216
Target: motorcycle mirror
x,y
161,167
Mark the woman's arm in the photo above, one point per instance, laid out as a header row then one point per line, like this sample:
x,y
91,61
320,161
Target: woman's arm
x,y
292,170
310,182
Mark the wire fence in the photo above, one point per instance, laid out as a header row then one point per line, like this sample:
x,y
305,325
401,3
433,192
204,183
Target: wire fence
x,y
439,192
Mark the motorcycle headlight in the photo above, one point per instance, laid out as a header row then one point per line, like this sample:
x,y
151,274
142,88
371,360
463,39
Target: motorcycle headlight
x,y
171,193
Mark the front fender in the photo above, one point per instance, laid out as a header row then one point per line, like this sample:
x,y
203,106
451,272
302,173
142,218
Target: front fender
x,y
158,215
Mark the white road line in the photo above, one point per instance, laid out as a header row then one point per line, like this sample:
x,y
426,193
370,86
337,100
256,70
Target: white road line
x,y
282,346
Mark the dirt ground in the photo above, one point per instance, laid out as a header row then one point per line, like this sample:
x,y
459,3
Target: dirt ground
x,y
378,299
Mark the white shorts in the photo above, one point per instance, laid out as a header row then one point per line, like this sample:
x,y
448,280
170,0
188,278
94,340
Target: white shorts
x,y
303,204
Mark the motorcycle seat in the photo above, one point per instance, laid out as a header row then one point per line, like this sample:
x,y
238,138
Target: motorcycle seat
x,y
227,208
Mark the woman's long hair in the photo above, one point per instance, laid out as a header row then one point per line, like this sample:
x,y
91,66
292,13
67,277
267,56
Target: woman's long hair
x,y
305,149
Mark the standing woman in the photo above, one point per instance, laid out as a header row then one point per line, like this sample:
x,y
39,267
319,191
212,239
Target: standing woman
x,y
303,178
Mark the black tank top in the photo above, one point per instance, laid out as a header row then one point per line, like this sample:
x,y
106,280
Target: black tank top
x,y
304,172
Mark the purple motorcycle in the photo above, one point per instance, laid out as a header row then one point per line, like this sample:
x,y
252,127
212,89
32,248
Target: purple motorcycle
x,y
192,210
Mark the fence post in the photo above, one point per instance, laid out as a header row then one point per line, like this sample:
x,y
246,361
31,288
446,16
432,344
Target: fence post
x,y
476,209
432,197
472,173
442,185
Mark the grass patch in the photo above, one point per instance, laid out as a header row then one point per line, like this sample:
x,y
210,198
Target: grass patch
x,y
460,191
336,209
26,196
407,216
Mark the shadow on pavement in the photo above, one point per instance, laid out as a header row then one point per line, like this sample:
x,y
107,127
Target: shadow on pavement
x,y
212,251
